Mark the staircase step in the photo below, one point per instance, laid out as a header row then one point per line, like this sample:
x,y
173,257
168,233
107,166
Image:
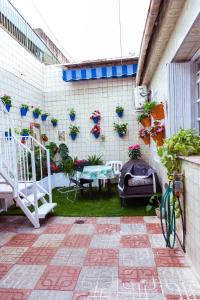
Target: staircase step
x,y
31,199
24,185
44,209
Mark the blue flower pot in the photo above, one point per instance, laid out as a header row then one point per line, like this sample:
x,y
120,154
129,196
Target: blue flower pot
x,y
120,114
121,135
8,135
54,124
96,120
43,117
8,106
96,135
23,111
25,136
73,136
35,115
72,117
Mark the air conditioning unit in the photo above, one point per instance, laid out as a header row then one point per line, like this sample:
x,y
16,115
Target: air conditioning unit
x,y
141,94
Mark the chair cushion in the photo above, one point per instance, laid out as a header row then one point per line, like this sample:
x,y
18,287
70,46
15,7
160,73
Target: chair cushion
x,y
138,181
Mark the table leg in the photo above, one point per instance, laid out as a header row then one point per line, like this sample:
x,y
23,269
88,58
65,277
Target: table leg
x,y
109,186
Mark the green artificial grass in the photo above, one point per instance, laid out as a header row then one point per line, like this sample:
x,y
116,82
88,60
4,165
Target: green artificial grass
x,y
93,204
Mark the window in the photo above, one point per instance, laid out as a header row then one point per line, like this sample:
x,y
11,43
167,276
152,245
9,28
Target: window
x,y
198,95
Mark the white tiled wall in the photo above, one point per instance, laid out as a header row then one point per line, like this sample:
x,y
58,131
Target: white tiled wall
x,y
85,97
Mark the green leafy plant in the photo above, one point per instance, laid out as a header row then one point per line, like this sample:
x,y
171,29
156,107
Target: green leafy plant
x,y
95,160
54,120
6,100
73,129
72,112
45,114
186,142
121,128
142,116
37,110
64,151
25,131
154,202
52,149
67,166
149,106
25,106
119,109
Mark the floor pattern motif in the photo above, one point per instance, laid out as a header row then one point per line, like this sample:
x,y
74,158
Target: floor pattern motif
x,y
101,259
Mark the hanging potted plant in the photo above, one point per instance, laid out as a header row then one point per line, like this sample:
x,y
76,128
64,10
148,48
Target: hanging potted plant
x,y
7,102
72,114
54,122
134,151
25,134
44,116
144,134
158,111
121,129
24,109
96,131
144,119
158,134
96,116
73,131
36,112
44,137
119,111
8,134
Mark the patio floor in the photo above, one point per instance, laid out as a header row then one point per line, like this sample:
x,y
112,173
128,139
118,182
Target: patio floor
x,y
102,259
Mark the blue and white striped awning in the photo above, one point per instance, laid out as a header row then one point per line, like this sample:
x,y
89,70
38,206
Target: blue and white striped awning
x,y
100,72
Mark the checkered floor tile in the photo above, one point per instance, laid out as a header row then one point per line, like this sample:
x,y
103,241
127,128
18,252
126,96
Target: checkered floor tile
x,y
91,259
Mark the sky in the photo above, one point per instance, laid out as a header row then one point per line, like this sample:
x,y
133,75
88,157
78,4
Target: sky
x,y
89,29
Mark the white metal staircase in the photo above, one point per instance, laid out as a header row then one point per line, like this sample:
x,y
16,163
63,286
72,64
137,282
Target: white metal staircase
x,y
21,171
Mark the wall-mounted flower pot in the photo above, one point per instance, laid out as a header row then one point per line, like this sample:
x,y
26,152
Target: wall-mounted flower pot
x,y
120,114
146,122
8,106
23,111
72,117
44,117
146,139
121,135
96,120
160,138
73,136
158,112
54,124
8,135
96,135
35,115
25,136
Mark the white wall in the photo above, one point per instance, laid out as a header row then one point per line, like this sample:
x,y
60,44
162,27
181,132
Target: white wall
x,y
21,77
85,97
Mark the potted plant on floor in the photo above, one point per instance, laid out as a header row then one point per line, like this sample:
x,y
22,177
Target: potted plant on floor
x,y
121,129
96,131
134,151
144,134
154,203
54,122
144,119
73,131
119,111
7,102
24,109
72,114
157,133
25,134
96,116
44,116
36,112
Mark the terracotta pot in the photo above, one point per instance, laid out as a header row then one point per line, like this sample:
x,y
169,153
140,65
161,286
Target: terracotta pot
x,y
146,139
160,138
158,112
146,122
